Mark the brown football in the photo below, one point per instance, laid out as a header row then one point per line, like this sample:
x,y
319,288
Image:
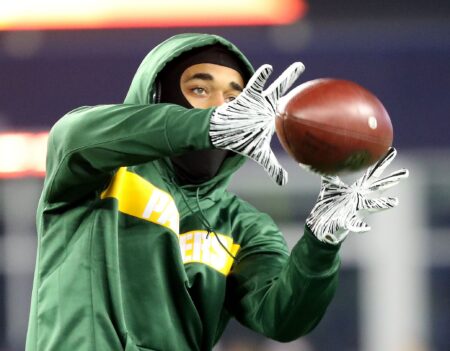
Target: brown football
x,y
333,126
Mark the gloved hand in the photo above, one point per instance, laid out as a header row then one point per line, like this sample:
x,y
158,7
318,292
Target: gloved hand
x,y
340,208
246,124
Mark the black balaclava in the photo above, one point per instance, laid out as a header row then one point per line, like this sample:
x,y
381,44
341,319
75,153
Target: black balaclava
x,y
195,167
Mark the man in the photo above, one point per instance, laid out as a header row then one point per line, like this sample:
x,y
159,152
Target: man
x,y
140,245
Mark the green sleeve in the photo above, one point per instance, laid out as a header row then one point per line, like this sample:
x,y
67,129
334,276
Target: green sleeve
x,y
87,145
284,296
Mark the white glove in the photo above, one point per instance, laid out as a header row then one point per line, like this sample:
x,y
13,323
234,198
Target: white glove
x,y
246,124
340,208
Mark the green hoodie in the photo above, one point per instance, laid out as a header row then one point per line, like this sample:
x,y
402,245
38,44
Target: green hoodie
x,y
129,260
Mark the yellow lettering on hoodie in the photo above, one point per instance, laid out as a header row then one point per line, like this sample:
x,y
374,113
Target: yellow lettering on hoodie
x,y
139,198
198,246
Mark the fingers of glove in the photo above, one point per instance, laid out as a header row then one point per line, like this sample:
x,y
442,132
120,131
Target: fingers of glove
x,y
282,84
331,181
275,170
259,79
389,181
266,158
332,187
379,204
259,151
378,168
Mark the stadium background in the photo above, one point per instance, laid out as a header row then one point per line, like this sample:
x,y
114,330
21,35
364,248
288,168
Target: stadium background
x,y
394,293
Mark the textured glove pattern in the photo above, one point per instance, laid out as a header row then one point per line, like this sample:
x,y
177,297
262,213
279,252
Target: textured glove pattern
x,y
247,124
340,208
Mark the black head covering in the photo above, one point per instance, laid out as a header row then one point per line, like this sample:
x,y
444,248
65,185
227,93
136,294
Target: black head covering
x,y
195,167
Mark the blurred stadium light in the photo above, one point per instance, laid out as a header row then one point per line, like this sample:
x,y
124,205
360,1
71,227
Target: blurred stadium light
x,y
22,154
100,14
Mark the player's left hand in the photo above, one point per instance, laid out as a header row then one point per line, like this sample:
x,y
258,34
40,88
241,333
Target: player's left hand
x,y
246,124
340,208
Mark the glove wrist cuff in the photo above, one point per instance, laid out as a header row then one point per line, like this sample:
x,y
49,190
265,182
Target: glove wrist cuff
x,y
332,239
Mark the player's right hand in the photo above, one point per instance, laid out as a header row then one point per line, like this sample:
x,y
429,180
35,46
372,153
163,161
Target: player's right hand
x,y
246,124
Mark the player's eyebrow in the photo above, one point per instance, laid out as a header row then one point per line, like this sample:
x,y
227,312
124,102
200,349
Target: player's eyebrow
x,y
236,86
202,76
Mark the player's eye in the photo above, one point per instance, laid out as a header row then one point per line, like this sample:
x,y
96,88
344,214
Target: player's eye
x,y
199,91
230,98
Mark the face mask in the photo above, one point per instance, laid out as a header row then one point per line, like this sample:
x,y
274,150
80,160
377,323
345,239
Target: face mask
x,y
196,167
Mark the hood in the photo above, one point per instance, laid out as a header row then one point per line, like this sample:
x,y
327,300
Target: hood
x,y
143,86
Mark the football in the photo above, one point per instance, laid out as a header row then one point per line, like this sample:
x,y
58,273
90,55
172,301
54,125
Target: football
x,y
333,126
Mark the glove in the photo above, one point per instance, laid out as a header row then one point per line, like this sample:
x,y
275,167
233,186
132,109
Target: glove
x,y
246,124
340,208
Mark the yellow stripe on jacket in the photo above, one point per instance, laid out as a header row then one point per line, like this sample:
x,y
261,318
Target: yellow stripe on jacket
x,y
139,198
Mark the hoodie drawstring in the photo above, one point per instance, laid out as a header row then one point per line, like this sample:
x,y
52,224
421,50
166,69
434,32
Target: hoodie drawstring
x,y
202,218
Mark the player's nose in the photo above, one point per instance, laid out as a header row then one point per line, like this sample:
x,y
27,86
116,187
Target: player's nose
x,y
217,100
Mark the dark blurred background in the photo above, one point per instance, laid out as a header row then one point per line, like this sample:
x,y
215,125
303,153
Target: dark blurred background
x,y
399,50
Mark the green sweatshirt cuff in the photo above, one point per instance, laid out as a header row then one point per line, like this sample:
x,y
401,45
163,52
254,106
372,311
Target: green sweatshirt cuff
x,y
189,130
315,258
